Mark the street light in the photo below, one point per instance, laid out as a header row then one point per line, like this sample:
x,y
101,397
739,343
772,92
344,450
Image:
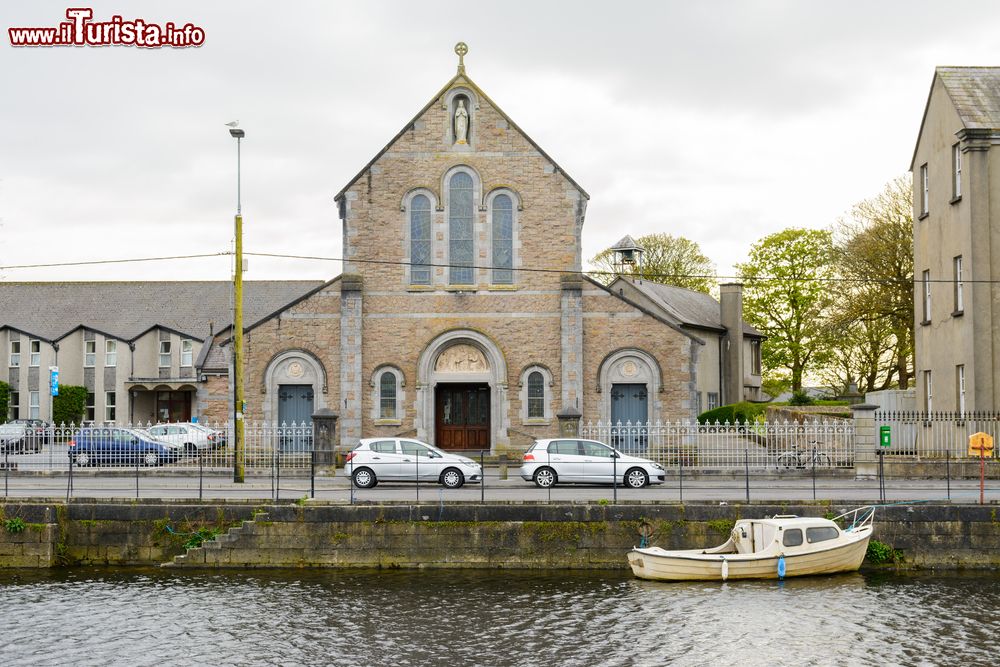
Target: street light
x,y
238,403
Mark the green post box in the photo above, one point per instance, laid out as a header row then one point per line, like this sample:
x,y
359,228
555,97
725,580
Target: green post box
x,y
885,436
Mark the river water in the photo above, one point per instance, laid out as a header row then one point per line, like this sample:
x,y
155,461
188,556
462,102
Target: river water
x,y
457,618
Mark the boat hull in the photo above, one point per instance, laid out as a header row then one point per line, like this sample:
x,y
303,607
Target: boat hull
x,y
659,565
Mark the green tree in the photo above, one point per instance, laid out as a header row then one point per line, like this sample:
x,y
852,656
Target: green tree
x,y
786,296
70,405
873,253
4,401
666,259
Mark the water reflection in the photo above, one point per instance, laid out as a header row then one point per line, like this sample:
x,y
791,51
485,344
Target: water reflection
x,y
154,617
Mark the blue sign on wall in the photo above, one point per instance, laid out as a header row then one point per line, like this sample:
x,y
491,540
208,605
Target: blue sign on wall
x,y
54,380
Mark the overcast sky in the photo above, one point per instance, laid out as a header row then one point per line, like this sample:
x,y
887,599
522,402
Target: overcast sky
x,y
718,121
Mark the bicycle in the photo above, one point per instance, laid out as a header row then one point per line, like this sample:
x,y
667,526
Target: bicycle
x,y
796,458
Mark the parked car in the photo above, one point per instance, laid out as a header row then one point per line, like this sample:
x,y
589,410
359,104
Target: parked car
x,y
120,445
192,437
377,460
18,438
40,430
548,462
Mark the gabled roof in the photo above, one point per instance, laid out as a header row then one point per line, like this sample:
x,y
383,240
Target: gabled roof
x,y
126,310
626,243
460,78
975,94
641,308
689,307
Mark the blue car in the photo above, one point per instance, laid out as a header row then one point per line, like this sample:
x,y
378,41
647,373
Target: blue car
x,y
110,444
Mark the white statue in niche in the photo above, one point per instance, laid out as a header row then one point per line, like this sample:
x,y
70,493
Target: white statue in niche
x,y
461,123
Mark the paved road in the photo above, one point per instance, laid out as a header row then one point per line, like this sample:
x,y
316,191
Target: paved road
x,y
121,483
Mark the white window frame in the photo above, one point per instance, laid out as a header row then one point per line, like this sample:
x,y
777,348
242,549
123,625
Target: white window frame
x,y
110,353
376,396
187,353
960,387
959,285
110,406
713,400
91,409
925,192
547,383
956,160
14,407
166,354
928,392
34,355
926,280
34,405
756,358
15,354
89,353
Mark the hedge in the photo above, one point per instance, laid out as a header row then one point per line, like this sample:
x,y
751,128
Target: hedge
x,y
735,413
70,405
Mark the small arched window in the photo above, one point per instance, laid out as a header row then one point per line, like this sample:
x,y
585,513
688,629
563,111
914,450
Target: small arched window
x,y
503,240
461,215
387,396
420,240
536,395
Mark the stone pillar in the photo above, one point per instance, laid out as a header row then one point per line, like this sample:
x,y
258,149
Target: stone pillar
x,y
731,312
351,386
571,342
865,441
325,440
569,422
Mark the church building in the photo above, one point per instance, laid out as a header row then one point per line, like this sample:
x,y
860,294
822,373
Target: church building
x,y
462,316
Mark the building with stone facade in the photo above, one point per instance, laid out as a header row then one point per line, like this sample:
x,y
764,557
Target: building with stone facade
x,y
462,316
956,242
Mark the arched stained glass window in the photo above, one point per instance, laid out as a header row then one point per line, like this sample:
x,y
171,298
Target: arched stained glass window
x,y
503,240
461,215
420,240
387,396
536,395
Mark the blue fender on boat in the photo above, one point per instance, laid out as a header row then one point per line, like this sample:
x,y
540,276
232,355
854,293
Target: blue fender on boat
x,y
781,567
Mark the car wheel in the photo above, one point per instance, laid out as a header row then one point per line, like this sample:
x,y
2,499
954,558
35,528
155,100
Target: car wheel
x,y
82,459
151,458
190,449
636,478
452,478
545,477
364,478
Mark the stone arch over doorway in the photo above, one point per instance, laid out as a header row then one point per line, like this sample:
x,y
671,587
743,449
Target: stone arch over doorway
x,y
629,367
462,357
292,368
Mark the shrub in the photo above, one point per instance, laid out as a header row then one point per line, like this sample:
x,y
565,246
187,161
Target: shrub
x,y
801,398
70,405
4,401
880,553
735,413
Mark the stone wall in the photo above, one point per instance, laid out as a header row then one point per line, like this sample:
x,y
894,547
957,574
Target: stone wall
x,y
487,536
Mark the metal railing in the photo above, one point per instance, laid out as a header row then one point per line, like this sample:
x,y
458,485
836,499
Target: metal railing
x,y
758,445
935,435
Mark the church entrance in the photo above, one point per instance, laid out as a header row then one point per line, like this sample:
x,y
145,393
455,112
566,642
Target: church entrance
x,y
462,415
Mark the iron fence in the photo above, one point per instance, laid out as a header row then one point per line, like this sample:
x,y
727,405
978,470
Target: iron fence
x,y
823,444
935,435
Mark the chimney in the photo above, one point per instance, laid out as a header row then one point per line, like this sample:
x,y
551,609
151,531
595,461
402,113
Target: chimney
x,y
731,358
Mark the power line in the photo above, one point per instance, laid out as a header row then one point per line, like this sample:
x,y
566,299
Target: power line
x,y
645,276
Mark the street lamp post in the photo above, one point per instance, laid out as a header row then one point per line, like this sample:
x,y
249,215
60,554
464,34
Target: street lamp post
x,y
238,403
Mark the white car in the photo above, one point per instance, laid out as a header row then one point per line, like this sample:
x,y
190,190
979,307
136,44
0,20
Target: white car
x,y
192,437
548,462
377,460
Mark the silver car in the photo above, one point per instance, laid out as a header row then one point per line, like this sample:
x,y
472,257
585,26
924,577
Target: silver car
x,y
192,437
548,462
377,460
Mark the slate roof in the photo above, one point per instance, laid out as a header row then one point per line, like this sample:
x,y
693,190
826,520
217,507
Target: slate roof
x,y
627,243
690,308
126,310
975,92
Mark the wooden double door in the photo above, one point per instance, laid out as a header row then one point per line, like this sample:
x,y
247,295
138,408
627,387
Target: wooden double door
x,y
462,416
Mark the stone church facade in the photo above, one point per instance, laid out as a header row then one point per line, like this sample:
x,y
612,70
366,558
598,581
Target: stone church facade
x,y
462,317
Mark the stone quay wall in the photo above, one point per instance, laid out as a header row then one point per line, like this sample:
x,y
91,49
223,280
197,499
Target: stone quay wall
x,y
561,536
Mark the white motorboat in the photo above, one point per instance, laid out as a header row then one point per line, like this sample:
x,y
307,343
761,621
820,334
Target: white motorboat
x,y
773,548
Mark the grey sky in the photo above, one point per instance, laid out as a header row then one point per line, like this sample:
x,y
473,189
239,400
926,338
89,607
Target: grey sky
x,y
718,121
